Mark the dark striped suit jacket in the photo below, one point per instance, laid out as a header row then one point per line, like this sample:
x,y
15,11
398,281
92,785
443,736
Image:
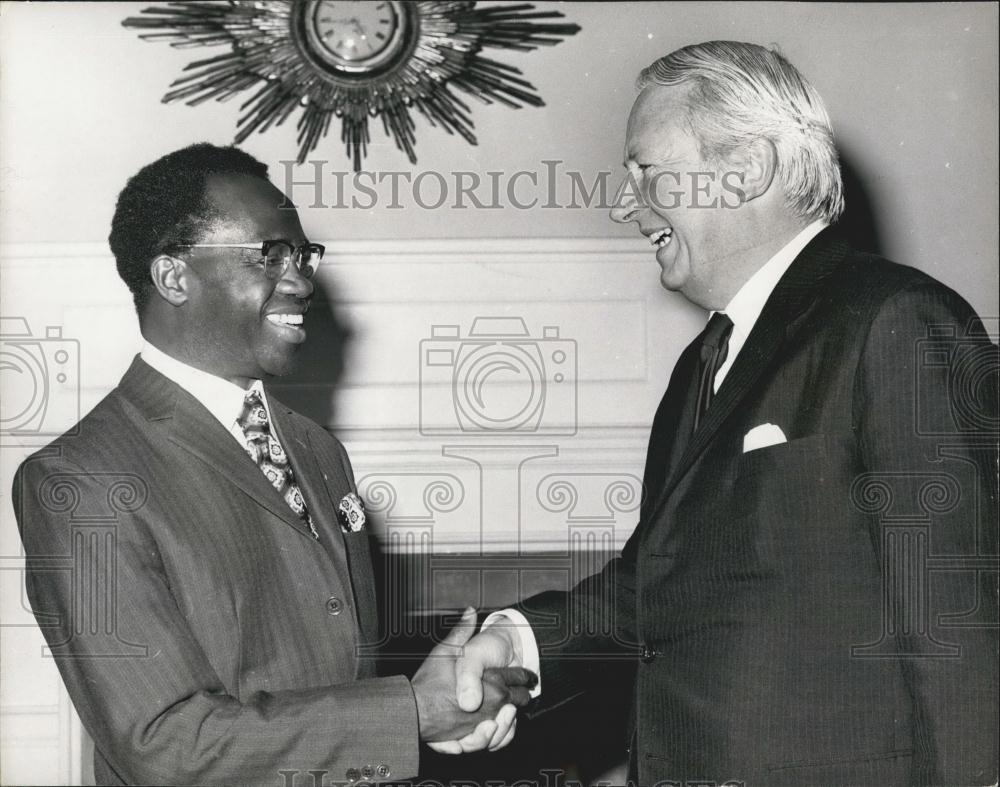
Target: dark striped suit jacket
x,y
204,635
822,611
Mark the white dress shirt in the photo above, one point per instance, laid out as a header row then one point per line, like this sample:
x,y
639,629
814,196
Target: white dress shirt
x,y
221,398
744,309
748,302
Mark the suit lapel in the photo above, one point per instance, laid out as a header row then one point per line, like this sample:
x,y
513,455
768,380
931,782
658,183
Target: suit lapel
x,y
350,554
794,293
308,474
669,435
188,424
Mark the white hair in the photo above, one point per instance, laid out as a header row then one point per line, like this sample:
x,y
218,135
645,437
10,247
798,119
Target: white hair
x,y
741,92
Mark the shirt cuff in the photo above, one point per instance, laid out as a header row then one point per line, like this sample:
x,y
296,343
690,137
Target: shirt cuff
x,y
529,647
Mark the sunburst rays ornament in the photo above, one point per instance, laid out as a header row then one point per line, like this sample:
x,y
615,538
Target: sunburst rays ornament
x,y
352,60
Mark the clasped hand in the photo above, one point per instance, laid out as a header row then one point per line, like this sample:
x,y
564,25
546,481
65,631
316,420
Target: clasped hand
x,y
469,688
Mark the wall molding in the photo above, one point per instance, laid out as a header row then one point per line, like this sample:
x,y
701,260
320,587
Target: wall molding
x,y
48,728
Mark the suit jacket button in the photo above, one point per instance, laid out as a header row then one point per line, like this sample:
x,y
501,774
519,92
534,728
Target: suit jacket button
x,y
352,774
334,605
368,771
383,771
647,654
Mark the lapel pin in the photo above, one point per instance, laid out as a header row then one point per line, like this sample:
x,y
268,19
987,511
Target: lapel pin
x,y
351,512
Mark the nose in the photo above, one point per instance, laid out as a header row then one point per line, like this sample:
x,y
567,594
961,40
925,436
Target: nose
x,y
625,207
293,283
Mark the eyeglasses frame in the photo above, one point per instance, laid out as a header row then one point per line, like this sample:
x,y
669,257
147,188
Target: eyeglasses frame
x,y
264,247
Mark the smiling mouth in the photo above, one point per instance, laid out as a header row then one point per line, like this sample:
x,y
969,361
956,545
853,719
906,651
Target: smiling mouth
x,y
661,238
288,326
286,319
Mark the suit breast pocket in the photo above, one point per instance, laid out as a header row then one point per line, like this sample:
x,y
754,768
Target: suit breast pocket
x,y
807,459
802,467
795,497
773,484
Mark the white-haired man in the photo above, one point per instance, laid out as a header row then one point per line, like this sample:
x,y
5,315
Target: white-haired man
x,y
811,587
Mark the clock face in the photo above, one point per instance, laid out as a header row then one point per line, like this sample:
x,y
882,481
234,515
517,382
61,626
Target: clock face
x,y
355,35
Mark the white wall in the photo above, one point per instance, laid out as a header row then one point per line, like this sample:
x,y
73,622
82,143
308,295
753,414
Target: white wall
x,y
914,97
912,90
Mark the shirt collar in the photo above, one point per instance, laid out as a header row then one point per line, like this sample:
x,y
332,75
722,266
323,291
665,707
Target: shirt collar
x,y
221,398
747,304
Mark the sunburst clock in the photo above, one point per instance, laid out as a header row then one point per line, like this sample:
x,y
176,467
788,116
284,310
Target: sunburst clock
x,y
352,60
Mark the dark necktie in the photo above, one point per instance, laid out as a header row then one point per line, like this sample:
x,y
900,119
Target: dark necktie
x,y
270,457
714,349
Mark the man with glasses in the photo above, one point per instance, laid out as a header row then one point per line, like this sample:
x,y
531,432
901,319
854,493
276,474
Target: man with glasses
x,y
214,634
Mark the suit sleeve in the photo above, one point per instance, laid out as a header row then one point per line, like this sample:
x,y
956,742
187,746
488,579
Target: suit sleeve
x,y
157,708
925,411
586,637
591,634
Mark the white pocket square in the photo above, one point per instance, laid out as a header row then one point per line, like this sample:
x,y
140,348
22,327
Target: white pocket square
x,y
762,436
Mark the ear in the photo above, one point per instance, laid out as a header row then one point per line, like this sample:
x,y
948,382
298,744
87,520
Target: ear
x,y
757,162
171,278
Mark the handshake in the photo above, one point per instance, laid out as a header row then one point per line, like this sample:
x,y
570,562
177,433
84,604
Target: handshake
x,y
469,688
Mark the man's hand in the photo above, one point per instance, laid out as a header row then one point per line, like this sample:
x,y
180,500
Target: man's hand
x,y
499,690
494,650
496,647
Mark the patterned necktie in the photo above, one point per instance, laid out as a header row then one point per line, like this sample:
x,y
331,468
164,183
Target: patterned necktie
x,y
714,349
267,453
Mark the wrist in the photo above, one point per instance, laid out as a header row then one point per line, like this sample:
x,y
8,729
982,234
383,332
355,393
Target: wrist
x,y
520,639
513,638
506,628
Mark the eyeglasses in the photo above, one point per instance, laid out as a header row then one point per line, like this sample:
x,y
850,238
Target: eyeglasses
x,y
275,255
